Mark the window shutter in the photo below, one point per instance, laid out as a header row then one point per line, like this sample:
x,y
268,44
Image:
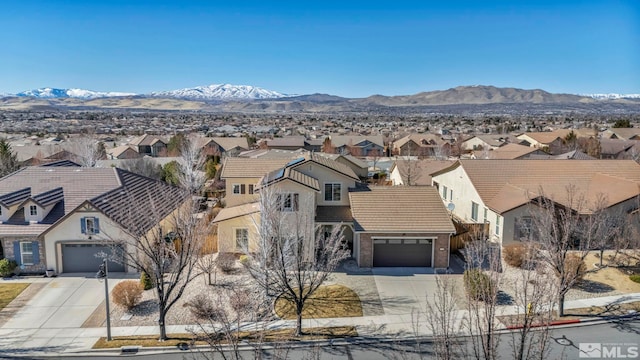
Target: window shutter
x,y
16,252
96,225
242,189
83,226
295,202
36,253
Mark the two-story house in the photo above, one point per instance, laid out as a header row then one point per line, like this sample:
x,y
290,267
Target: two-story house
x,y
314,194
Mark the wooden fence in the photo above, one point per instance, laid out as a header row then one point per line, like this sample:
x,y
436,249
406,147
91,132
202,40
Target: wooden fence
x,y
466,232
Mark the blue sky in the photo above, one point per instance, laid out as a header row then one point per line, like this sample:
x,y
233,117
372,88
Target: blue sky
x,y
355,49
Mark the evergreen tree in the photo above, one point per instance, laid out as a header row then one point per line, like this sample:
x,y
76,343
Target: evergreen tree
x,y
8,159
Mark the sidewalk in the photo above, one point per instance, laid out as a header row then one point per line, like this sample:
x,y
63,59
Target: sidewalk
x,y
66,340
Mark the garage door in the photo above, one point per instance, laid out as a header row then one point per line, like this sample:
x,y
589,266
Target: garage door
x,y
81,258
402,252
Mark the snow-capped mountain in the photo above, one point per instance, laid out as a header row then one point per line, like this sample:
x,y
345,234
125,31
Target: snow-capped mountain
x,y
49,93
612,96
221,92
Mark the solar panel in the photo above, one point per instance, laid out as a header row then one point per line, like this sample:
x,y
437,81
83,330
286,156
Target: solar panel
x,y
293,162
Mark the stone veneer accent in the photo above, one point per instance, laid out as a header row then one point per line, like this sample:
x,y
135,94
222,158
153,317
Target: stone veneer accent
x,y
7,248
440,258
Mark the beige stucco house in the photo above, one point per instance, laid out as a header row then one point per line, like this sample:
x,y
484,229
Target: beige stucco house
x,y
313,194
60,217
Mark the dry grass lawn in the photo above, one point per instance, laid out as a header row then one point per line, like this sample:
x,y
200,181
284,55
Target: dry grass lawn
x,y
8,292
327,302
609,275
267,336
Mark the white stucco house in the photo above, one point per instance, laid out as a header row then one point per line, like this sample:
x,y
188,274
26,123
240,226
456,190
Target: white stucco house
x,y
497,192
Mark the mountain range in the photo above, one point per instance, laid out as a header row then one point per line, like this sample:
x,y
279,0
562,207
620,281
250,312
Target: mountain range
x,y
226,97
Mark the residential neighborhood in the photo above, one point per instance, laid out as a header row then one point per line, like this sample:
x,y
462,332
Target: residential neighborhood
x,y
389,220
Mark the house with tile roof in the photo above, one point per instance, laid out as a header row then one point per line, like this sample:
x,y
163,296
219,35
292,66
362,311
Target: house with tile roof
x,y
622,134
60,217
150,145
498,192
415,172
217,146
488,142
400,226
123,152
317,193
358,145
420,145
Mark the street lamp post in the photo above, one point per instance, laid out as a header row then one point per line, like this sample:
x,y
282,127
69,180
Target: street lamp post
x,y
103,273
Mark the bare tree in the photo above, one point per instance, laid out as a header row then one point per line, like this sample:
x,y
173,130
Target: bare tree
x,y
292,260
563,231
534,302
88,149
191,165
221,317
143,166
164,246
483,277
410,168
442,152
441,315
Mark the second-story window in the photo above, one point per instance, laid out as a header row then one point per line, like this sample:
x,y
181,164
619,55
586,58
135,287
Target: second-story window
x,y
332,192
33,210
250,188
444,192
238,189
474,211
288,202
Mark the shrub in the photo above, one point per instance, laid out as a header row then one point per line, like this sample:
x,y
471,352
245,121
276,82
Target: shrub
x,y
226,262
519,255
145,281
127,294
574,265
7,266
478,285
202,307
635,278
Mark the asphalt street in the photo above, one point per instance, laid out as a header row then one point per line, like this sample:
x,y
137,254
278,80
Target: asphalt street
x,y
565,344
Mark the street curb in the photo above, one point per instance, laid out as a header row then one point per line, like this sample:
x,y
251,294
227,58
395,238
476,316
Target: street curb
x,y
586,321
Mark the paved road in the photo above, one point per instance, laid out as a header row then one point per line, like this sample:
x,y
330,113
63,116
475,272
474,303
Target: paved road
x,y
564,346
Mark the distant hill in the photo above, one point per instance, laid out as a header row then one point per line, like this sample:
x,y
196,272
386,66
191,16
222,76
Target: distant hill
x,y
244,98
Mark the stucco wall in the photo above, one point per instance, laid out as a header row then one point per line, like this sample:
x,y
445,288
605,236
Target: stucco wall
x,y
324,176
232,199
69,231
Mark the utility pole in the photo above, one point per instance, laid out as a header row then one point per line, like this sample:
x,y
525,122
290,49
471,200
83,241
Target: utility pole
x,y
103,273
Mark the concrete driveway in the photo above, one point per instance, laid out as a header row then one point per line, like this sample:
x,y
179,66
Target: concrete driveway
x,y
53,317
403,290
